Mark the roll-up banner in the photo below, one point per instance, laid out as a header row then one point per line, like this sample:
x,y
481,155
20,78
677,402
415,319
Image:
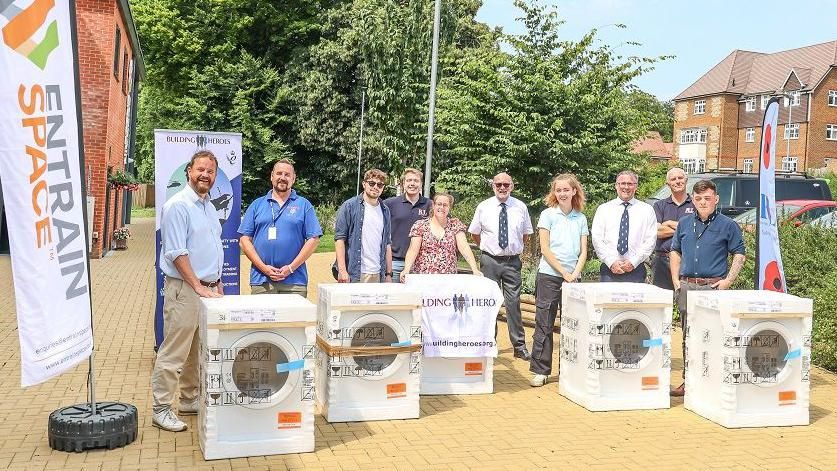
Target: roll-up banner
x,y
40,164
172,151
771,274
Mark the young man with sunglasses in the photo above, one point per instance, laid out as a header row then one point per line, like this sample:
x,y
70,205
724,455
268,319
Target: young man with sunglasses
x,y
362,234
501,226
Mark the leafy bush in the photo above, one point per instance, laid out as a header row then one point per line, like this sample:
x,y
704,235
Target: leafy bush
x,y
327,215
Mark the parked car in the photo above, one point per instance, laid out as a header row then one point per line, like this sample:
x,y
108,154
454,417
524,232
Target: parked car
x,y
828,221
797,212
739,192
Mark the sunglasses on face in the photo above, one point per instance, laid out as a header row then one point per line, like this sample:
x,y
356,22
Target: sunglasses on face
x,y
373,183
502,185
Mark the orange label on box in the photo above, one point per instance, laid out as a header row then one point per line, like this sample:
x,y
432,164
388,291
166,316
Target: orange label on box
x,y
289,419
395,390
473,369
787,398
650,382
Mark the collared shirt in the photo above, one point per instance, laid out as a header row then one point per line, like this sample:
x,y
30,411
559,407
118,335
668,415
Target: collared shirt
x,y
668,210
565,232
642,231
704,246
486,223
189,225
349,227
295,223
403,214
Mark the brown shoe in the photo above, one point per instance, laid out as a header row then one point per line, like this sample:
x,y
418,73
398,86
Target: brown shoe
x,y
679,391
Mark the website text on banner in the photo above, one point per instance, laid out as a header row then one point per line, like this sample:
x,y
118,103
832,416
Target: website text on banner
x,y
172,151
40,167
771,274
459,314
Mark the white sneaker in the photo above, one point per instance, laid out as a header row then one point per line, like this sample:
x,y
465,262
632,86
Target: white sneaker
x,y
166,420
538,381
188,408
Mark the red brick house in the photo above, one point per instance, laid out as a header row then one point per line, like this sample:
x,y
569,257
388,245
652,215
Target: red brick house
x,y
717,120
654,147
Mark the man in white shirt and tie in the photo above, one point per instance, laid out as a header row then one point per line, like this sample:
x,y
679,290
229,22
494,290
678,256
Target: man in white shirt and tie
x,y
501,225
624,233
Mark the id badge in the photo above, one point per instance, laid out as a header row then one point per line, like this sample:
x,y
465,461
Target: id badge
x,y
271,233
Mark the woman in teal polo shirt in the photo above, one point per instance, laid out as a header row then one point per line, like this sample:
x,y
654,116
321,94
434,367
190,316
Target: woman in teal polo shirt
x,y
562,231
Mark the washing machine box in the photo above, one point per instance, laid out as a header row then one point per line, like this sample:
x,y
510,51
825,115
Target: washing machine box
x,y
748,357
257,370
615,349
457,375
354,320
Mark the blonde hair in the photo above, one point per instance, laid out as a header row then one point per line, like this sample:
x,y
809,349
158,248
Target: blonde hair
x,y
442,194
578,200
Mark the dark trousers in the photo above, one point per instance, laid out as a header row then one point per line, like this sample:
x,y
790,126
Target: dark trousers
x,y
547,303
636,276
506,272
682,295
661,271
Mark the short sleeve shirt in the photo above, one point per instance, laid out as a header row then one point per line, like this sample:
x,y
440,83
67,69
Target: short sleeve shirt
x,y
704,246
436,255
403,215
565,232
667,210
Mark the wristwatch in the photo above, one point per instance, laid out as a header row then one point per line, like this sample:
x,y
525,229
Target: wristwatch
x,y
389,273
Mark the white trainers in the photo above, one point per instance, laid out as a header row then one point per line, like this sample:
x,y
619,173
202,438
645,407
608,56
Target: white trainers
x,y
166,420
538,381
188,408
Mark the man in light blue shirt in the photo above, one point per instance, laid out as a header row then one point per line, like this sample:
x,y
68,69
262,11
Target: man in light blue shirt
x,y
192,258
279,232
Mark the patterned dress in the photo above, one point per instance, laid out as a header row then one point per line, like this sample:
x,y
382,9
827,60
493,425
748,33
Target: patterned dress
x,y
436,255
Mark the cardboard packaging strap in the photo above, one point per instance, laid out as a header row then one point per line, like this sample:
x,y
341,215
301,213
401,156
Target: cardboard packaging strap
x,y
333,351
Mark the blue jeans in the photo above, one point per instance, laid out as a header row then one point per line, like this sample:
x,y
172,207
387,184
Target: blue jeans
x,y
397,268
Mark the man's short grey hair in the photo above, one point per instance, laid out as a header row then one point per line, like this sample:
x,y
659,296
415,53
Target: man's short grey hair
x,y
629,173
672,170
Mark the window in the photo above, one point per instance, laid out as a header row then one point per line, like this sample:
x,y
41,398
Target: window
x,y
750,135
789,164
117,49
692,165
792,131
693,136
832,98
831,132
125,72
765,99
748,165
750,103
794,98
700,106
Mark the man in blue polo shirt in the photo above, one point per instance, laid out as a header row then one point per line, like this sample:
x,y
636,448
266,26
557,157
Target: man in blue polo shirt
x,y
279,232
405,210
700,250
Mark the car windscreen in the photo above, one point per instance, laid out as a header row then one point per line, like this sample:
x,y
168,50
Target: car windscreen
x,y
829,221
749,217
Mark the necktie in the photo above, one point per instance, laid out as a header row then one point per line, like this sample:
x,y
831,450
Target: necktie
x,y
504,227
622,244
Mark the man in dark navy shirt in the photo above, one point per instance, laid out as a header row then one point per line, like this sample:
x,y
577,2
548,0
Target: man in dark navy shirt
x,y
700,249
669,211
405,210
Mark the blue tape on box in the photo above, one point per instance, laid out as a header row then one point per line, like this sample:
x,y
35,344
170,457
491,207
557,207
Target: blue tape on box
x,y
793,354
406,343
657,342
290,366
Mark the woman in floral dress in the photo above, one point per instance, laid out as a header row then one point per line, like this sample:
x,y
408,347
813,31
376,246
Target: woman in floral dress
x,y
435,240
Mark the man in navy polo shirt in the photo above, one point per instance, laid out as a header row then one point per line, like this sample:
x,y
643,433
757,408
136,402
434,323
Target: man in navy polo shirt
x,y
700,250
279,232
669,211
405,210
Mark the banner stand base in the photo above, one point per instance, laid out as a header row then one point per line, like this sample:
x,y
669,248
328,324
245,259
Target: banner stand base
x,y
82,427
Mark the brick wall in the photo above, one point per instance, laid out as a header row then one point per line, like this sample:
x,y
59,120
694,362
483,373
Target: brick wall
x,y
103,107
820,149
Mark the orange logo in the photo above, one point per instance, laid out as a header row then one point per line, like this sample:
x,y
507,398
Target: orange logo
x,y
25,31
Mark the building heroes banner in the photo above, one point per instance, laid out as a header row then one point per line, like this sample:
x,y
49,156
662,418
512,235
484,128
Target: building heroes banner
x,y
459,314
40,164
172,151
771,274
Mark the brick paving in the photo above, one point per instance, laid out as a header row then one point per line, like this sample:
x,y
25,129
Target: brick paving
x,y
515,428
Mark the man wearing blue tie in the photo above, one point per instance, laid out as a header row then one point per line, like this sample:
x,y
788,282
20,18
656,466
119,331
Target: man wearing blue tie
x,y
624,233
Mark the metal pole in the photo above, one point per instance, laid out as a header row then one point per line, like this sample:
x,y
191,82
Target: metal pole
x,y
432,109
360,140
91,385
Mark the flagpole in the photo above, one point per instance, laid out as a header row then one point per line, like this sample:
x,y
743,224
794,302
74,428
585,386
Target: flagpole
x,y
434,60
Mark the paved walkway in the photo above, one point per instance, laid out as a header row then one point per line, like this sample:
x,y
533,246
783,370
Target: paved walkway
x,y
515,428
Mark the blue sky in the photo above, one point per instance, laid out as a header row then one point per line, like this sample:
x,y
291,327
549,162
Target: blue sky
x,y
700,33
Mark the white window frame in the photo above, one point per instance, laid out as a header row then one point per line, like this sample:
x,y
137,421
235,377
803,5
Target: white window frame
x,y
750,103
791,131
789,164
693,136
750,135
832,98
794,100
700,107
748,165
693,165
764,100
831,132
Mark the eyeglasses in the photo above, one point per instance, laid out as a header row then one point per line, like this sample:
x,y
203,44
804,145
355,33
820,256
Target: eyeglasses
x,y
373,183
502,185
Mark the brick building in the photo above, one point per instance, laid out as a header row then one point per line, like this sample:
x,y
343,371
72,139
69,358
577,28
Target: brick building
x,y
717,120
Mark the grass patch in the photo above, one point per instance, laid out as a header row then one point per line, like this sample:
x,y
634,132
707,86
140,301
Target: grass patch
x,y
142,212
326,243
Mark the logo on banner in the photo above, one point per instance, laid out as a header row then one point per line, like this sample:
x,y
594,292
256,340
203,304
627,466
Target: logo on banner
x,y
25,32
765,154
